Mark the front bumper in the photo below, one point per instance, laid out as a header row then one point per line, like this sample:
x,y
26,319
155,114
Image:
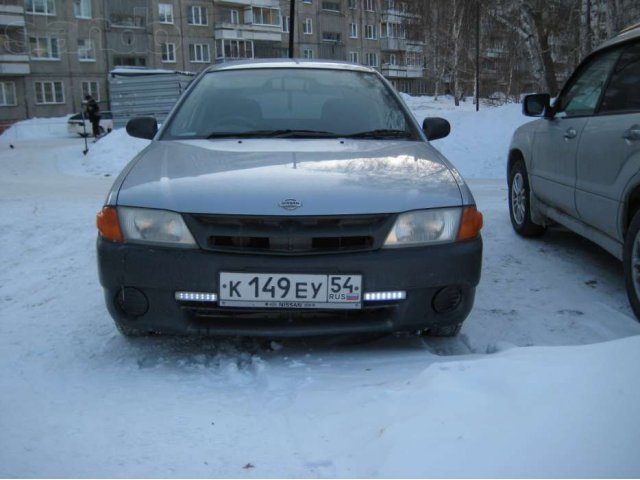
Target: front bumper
x,y
131,274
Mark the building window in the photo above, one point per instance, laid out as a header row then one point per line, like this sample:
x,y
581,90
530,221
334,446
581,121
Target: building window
x,y
307,26
168,52
165,13
125,15
44,48
86,52
7,94
82,8
352,4
91,88
49,93
370,32
353,30
197,16
40,7
354,57
393,59
369,5
372,59
331,37
331,6
129,61
266,16
285,23
199,53
392,30
307,53
231,49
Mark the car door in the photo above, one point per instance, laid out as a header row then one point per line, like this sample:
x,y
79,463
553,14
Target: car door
x,y
553,163
609,150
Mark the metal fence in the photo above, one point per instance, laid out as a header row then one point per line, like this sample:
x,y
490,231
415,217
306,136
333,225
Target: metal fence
x,y
138,92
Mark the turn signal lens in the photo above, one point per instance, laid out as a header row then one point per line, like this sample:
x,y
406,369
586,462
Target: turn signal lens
x,y
471,223
108,224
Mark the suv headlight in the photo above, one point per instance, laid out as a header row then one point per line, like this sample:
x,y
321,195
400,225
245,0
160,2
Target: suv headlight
x,y
424,227
145,225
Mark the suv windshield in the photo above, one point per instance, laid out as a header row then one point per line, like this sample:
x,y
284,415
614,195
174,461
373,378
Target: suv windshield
x,y
290,103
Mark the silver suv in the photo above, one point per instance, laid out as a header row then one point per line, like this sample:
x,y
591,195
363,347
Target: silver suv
x,y
579,165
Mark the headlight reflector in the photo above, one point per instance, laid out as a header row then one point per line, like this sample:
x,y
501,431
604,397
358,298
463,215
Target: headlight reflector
x,y
154,226
422,227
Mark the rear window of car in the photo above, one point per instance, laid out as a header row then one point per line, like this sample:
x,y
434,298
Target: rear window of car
x,y
323,100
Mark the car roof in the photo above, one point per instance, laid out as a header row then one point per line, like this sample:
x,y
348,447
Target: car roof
x,y
629,33
289,63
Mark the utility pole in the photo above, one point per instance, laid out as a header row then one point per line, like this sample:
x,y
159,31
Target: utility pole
x,y
477,55
292,25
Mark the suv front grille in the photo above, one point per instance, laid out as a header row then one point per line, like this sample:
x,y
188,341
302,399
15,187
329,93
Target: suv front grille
x,y
290,235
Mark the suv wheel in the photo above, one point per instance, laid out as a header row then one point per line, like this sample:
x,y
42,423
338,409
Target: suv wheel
x,y
519,198
631,259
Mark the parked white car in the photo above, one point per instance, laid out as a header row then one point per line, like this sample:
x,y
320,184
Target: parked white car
x,y
74,124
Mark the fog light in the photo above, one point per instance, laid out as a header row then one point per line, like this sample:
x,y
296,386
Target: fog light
x,y
132,301
447,299
384,296
196,297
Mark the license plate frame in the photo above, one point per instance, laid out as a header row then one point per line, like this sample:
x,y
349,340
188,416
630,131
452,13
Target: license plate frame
x,y
305,291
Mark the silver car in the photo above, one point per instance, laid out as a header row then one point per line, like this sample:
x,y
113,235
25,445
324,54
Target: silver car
x,y
579,165
285,198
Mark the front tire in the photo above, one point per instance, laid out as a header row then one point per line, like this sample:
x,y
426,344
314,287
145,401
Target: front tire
x,y
631,260
520,202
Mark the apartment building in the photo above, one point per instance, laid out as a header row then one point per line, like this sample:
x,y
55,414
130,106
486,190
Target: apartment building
x,y
54,52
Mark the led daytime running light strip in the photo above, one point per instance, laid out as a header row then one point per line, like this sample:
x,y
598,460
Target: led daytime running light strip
x,y
196,297
384,296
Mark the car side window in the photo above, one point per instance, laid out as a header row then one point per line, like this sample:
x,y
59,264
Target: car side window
x,y
581,98
623,91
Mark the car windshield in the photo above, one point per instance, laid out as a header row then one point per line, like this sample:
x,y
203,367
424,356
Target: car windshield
x,y
290,103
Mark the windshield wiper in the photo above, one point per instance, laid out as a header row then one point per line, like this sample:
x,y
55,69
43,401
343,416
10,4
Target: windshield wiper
x,y
380,133
282,133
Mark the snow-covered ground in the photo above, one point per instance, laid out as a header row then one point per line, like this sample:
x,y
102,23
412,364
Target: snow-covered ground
x,y
541,382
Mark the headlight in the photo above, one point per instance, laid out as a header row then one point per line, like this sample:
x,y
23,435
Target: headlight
x,y
154,226
424,227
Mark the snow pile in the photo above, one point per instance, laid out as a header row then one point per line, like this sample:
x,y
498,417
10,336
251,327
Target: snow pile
x,y
36,129
112,152
478,144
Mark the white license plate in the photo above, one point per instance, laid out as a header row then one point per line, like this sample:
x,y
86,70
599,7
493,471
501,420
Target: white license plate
x,y
273,290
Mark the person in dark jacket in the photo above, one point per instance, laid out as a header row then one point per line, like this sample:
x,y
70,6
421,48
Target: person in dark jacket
x,y
93,113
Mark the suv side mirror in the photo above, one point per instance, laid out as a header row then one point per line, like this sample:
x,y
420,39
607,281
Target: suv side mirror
x,y
142,127
536,105
435,128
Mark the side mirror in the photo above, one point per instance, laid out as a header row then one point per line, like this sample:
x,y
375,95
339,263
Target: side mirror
x,y
142,127
536,105
435,128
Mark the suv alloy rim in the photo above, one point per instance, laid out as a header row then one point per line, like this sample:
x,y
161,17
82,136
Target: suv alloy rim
x,y
518,198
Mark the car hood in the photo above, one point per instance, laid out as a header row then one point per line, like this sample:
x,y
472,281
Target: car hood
x,y
254,177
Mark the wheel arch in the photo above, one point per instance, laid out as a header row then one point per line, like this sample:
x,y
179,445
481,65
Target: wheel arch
x,y
515,154
630,207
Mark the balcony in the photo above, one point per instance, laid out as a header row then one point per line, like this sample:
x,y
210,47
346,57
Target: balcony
x,y
250,3
234,31
11,15
11,64
401,71
393,44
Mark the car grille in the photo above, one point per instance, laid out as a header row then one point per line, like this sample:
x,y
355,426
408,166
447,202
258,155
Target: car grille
x,y
290,235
